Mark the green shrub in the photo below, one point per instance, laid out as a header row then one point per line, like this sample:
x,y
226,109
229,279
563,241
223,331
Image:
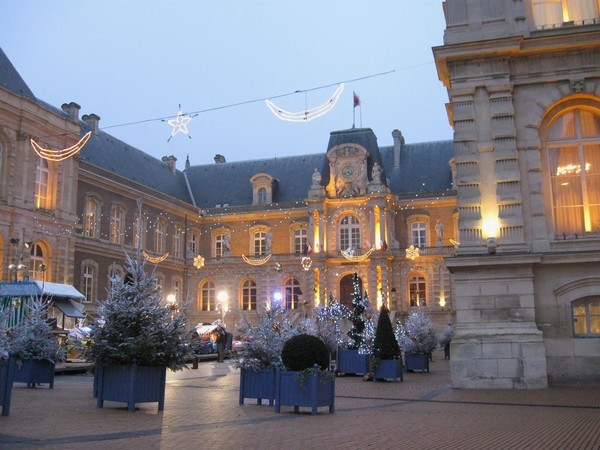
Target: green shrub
x,y
303,351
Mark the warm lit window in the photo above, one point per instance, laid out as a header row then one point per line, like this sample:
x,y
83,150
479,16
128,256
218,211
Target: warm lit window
x,y
586,317
207,296
417,290
552,13
300,240
42,180
350,233
159,237
418,234
91,218
249,295
116,225
88,276
36,260
573,148
291,293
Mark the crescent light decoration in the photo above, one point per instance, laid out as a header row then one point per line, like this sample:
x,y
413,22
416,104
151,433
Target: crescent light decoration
x,y
256,262
155,260
306,115
59,155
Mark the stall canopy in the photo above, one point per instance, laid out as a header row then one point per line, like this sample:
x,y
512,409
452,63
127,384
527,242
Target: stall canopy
x,y
62,296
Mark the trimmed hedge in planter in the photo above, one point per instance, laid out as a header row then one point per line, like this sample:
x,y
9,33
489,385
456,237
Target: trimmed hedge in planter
x,y
388,368
258,384
35,371
309,388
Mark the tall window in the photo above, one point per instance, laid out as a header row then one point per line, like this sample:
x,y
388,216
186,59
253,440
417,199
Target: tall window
x,y
220,244
260,243
418,234
139,231
91,218
291,292
193,244
349,233
159,236
573,147
207,296
300,240
116,225
177,289
42,180
88,276
249,295
262,196
115,273
177,242
417,290
586,317
552,13
35,262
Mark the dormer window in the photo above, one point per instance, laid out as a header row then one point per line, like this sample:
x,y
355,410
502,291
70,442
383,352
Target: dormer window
x,y
262,189
553,13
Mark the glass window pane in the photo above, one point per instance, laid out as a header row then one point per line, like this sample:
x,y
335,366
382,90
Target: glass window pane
x,y
563,127
590,124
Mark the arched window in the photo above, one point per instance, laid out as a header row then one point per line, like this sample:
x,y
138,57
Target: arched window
x,y
207,294
42,182
347,290
586,317
350,233
249,295
291,293
91,217
417,290
36,261
116,224
573,154
262,196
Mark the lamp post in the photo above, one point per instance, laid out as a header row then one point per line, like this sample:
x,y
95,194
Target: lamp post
x,y
223,304
17,264
172,304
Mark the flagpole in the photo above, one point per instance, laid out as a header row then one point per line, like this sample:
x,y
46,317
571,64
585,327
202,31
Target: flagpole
x,y
353,109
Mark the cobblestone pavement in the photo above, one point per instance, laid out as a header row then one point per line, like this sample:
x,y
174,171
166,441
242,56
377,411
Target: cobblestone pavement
x,y
201,410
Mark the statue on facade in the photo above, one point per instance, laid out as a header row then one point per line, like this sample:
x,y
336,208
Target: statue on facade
x,y
439,229
376,173
316,178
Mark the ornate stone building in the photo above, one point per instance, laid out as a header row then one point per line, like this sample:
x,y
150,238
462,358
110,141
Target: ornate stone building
x,y
523,86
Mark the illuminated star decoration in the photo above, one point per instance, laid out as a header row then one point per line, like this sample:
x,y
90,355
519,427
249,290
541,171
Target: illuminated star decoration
x,y
198,262
59,155
412,252
306,262
308,114
180,123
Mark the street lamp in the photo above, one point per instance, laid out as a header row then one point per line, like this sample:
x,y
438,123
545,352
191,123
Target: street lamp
x,y
17,264
223,304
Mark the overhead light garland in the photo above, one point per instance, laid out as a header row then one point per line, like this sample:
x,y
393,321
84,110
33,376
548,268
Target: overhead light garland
x,y
307,114
180,123
155,260
349,255
59,155
256,262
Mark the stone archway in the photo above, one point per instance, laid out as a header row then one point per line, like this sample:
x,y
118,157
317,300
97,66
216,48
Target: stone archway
x,y
347,290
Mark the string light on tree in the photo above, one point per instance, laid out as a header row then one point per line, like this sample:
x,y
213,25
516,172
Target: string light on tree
x,y
307,114
180,123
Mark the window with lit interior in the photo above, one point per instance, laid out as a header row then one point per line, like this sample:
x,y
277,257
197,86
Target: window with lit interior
x,y
349,233
291,293
91,217
36,260
417,290
554,13
207,296
586,317
116,225
249,295
42,181
418,234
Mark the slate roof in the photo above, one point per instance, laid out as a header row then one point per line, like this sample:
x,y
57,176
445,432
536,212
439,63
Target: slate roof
x,y
11,80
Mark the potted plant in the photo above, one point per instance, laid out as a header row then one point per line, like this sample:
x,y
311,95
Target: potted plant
x,y
354,358
305,380
33,346
7,365
417,340
137,339
386,361
261,353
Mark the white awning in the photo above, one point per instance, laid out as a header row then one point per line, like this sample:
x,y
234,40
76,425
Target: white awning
x,y
59,290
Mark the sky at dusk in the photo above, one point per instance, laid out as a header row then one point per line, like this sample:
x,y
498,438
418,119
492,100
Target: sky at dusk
x,y
133,62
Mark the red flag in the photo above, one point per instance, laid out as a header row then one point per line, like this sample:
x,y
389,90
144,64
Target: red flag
x,y
309,250
384,245
356,100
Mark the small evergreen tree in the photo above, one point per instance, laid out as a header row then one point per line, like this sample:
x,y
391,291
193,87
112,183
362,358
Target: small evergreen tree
x,y
32,338
359,304
137,326
385,346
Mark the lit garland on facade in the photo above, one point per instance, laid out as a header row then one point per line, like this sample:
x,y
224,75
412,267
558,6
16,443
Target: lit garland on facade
x,y
155,260
59,155
256,262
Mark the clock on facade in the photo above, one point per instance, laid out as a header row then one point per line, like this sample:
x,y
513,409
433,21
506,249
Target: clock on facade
x,y
348,172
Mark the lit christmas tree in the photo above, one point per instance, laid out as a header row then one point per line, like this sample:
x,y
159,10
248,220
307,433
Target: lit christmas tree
x,y
360,304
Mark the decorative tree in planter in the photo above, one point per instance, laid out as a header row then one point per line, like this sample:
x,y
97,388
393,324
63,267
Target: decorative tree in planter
x,y
355,358
417,340
386,361
34,348
7,366
306,382
261,353
137,339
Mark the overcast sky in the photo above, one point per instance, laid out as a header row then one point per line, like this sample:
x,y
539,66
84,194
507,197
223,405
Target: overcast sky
x,y
133,62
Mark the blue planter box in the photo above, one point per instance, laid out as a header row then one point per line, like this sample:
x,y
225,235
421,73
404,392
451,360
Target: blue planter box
x,y
258,384
7,373
417,361
35,371
350,361
131,384
304,390
389,368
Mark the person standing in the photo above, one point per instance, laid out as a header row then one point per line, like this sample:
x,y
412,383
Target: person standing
x,y
221,342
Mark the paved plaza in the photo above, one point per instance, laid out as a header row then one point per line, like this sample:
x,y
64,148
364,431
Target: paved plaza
x,y
202,411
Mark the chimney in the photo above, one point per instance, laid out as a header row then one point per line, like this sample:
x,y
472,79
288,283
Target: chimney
x,y
219,159
171,162
72,109
187,162
92,121
398,143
